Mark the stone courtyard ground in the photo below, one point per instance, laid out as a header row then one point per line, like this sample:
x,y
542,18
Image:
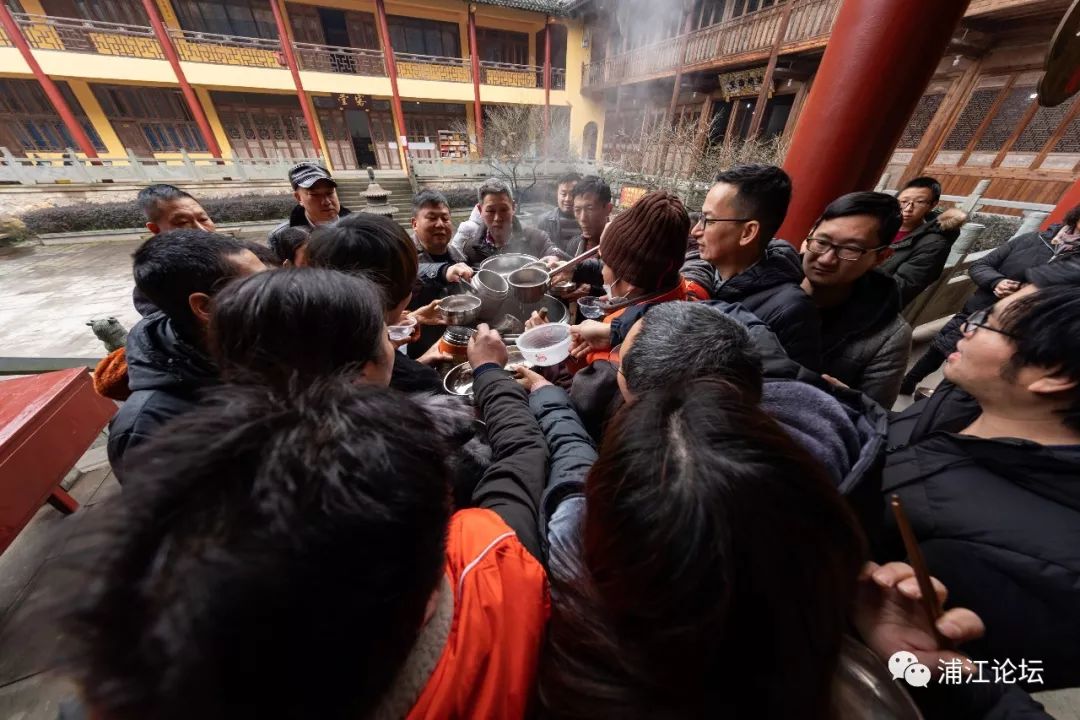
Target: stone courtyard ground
x,y
47,294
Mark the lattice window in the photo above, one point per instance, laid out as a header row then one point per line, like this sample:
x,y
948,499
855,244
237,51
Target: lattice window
x,y
1043,124
1008,116
1070,141
920,120
160,113
977,109
27,112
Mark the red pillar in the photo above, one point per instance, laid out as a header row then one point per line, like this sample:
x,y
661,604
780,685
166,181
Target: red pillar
x,y
474,56
1068,201
294,68
880,58
547,83
391,70
78,134
185,87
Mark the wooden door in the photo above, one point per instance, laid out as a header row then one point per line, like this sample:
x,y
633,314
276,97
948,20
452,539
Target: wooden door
x,y
361,27
382,134
306,25
132,138
338,139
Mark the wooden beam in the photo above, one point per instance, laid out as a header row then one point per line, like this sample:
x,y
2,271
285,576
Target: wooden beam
x,y
1003,93
1020,127
770,70
953,104
1058,134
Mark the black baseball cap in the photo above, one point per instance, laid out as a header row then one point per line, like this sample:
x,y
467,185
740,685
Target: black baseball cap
x,y
304,175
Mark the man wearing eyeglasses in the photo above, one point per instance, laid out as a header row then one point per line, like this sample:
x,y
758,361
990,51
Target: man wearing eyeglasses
x,y
988,467
922,244
739,261
865,342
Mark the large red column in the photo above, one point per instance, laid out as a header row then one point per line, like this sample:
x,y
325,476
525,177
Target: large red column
x,y
474,57
547,82
1068,201
294,68
880,58
78,134
193,103
395,96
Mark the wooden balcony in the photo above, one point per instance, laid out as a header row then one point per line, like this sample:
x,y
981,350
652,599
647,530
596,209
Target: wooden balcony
x,y
88,36
104,38
743,39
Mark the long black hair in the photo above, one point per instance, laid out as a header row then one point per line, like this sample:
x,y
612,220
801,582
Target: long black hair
x,y
719,566
296,325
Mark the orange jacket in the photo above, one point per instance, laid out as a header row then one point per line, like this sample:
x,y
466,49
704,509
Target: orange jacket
x,y
685,290
110,376
501,606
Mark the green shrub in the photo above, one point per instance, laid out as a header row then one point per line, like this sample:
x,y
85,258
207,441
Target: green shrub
x,y
126,215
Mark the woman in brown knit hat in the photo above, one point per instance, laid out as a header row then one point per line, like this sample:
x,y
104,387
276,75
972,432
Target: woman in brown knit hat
x,y
642,249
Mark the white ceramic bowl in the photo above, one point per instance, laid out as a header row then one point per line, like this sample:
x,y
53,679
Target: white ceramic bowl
x,y
545,345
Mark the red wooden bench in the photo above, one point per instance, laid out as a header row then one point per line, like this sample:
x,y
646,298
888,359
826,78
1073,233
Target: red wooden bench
x,y
46,423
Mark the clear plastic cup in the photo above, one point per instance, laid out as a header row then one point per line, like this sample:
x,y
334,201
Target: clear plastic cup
x,y
590,308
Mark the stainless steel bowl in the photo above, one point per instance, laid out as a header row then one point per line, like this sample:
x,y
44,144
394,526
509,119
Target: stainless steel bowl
x,y
459,380
460,309
508,263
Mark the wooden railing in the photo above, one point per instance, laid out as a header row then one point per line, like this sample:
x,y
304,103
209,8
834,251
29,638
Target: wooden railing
x,y
88,36
74,169
227,49
348,60
105,38
749,34
811,19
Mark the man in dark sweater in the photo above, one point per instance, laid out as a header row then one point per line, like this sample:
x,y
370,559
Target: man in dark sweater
x,y
739,262
317,200
560,224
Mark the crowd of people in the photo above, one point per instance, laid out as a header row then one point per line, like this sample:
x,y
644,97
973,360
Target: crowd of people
x,y
686,518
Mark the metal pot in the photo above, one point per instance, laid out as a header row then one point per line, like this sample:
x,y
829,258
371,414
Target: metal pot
x,y
460,309
529,285
508,263
490,286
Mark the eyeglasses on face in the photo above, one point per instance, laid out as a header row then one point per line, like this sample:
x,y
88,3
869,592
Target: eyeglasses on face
x,y
914,203
705,222
978,320
850,253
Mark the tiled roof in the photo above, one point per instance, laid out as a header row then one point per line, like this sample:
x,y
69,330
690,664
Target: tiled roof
x,y
550,7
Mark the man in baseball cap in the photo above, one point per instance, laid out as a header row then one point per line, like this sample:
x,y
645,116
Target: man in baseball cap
x,y
316,194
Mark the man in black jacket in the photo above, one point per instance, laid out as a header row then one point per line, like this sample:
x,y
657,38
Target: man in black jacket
x,y
316,197
865,341
179,272
739,262
921,246
999,274
987,469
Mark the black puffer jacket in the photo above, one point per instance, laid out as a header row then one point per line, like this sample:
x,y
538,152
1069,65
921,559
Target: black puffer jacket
x,y
918,259
999,523
560,228
772,290
865,341
166,375
1009,261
